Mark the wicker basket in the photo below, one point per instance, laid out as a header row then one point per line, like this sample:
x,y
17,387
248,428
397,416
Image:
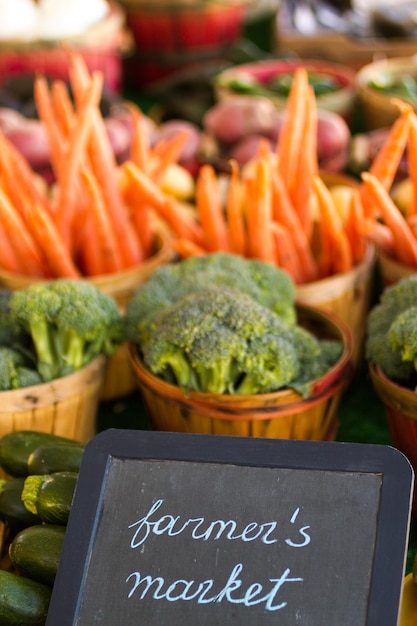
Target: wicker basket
x,y
102,46
65,406
283,414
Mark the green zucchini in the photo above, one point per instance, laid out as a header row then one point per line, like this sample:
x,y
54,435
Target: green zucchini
x,y
50,495
13,512
35,551
16,447
23,602
50,457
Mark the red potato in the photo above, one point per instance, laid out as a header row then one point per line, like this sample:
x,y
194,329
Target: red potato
x,y
245,149
333,134
30,139
232,119
9,119
119,136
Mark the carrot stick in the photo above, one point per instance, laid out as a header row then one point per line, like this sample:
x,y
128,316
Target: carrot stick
x,y
405,242
378,234
336,252
284,213
307,166
290,139
148,192
104,166
353,223
46,114
259,213
286,252
186,248
104,236
210,211
166,152
68,190
20,236
139,145
412,163
62,106
234,212
9,260
49,240
385,165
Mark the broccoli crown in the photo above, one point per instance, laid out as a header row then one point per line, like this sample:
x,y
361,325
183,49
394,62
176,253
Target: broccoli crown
x,y
69,321
16,371
391,340
265,283
220,340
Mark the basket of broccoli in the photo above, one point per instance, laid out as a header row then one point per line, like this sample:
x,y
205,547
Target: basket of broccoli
x,y
391,351
54,342
219,345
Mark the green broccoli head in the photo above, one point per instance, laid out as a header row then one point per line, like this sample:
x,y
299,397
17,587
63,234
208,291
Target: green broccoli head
x,y
265,283
220,340
69,321
16,370
391,339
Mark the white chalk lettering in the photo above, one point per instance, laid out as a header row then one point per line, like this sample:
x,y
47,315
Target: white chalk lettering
x,y
201,529
157,589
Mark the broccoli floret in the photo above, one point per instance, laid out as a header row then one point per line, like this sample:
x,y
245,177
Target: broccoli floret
x,y
267,284
16,371
391,337
69,321
9,332
220,340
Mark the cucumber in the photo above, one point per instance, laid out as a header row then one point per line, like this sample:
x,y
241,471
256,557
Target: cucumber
x,y
51,457
50,495
13,512
23,602
16,447
35,551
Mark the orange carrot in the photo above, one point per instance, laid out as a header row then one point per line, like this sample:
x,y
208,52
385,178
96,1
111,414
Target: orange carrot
x,y
290,139
104,237
307,166
405,242
286,252
104,166
234,210
166,152
259,213
46,114
186,248
378,234
139,145
210,210
412,163
68,190
353,223
336,254
285,214
9,260
20,237
385,165
49,240
146,191
62,106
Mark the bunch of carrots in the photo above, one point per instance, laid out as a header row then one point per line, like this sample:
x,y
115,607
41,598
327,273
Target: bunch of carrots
x,y
280,211
101,217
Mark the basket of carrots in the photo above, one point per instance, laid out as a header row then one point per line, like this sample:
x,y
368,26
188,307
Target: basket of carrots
x,y
95,222
281,209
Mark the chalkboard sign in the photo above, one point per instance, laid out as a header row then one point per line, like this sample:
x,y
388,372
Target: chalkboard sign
x,y
175,529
